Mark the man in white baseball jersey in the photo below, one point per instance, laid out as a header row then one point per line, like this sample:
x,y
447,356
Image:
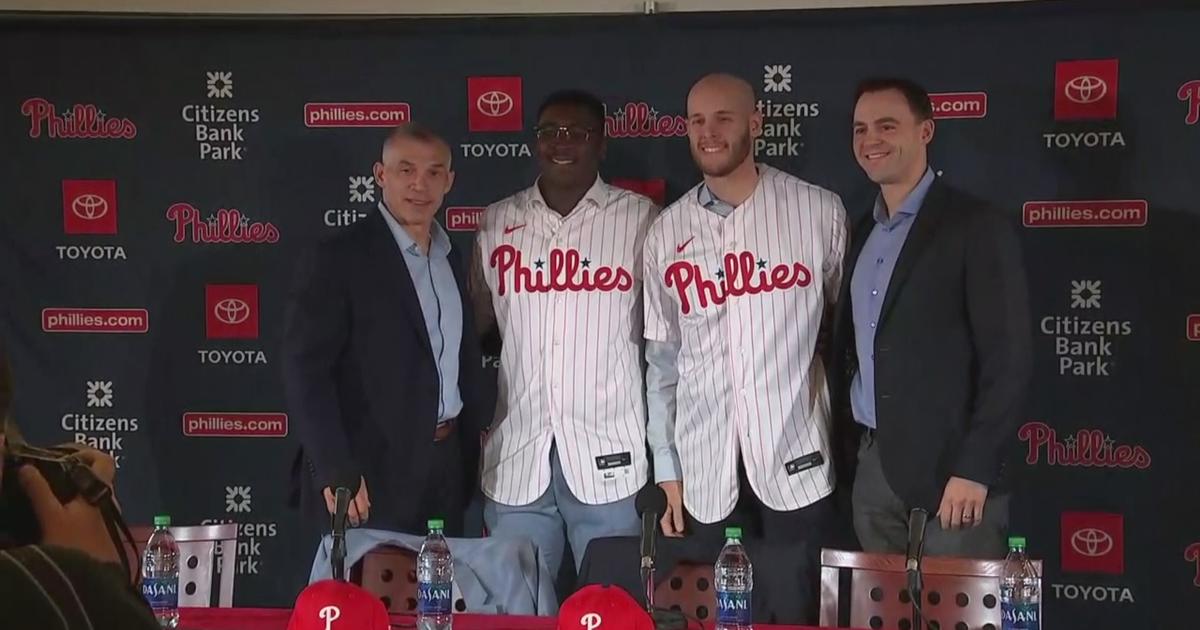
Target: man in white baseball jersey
x,y
558,268
739,273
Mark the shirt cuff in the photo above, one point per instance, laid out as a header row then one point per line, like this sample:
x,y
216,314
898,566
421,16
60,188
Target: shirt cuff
x,y
666,465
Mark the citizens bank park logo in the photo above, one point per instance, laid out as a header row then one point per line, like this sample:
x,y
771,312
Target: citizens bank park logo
x,y
104,432
89,208
463,218
223,226
78,122
1083,343
360,202
1116,213
495,104
783,117
239,500
231,312
220,131
1092,542
1190,93
1085,91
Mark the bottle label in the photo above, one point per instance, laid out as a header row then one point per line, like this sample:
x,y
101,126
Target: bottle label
x,y
1019,616
733,608
161,592
433,598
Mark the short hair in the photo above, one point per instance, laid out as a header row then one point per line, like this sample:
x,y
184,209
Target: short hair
x,y
579,98
418,132
917,97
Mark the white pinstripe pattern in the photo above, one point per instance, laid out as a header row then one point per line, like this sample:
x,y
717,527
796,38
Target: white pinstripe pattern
x,y
570,367
750,382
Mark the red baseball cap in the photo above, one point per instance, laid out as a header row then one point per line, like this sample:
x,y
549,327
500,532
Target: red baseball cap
x,y
597,607
334,605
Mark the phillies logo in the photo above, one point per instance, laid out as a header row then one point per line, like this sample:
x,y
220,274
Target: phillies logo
x,y
591,621
638,120
1088,447
330,614
226,226
736,278
567,272
1190,92
1192,554
81,121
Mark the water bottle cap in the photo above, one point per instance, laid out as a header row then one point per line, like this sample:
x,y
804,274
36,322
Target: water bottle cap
x,y
733,532
162,520
437,523
1017,542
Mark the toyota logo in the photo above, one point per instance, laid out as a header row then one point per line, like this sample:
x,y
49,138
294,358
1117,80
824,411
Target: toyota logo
x,y
89,206
231,311
494,104
1091,542
1085,89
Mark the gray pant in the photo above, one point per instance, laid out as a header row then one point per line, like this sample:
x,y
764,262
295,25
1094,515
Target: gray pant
x,y
881,517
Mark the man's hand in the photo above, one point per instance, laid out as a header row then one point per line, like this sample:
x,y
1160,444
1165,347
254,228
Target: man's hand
x,y
672,518
360,505
77,525
962,503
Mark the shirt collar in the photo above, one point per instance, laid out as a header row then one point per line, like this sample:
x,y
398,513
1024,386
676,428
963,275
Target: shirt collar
x,y
911,204
439,242
597,195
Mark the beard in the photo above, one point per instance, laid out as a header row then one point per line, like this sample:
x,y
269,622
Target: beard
x,y
739,149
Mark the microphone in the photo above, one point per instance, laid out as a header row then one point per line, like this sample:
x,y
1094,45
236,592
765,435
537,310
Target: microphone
x,y
337,553
651,502
917,519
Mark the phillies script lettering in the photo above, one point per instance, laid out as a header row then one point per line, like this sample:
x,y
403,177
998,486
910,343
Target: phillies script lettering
x,y
1190,92
81,121
226,226
1088,447
1192,554
739,279
568,271
639,120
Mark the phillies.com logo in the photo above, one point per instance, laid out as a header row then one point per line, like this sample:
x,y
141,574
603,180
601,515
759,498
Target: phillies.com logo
x,y
568,271
736,277
1087,447
226,226
80,121
638,120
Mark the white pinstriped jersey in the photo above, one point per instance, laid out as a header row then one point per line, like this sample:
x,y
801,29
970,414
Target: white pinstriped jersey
x,y
744,295
567,294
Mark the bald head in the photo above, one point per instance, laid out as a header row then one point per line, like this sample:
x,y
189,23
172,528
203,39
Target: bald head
x,y
725,90
722,124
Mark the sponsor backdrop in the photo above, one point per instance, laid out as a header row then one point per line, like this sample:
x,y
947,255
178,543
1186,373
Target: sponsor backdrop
x,y
161,176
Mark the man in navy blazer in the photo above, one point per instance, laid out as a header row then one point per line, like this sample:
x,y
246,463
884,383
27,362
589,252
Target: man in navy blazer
x,y
381,366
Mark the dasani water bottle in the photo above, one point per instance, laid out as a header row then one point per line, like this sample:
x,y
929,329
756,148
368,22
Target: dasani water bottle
x,y
1020,590
160,574
435,576
735,582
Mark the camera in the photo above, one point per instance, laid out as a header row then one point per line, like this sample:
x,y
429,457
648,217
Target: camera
x,y
68,477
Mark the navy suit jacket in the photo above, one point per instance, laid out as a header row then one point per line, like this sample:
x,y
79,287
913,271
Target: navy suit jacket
x,y
952,351
360,377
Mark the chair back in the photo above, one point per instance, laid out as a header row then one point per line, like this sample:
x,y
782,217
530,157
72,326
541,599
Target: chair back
x,y
869,590
390,573
690,588
205,551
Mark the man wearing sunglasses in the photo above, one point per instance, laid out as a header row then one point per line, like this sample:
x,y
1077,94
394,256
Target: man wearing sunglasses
x,y
558,270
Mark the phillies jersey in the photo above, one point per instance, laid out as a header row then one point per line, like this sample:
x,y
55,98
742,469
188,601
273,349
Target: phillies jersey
x,y
743,296
567,296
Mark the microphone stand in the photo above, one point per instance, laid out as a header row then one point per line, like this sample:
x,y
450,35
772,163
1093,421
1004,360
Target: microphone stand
x,y
337,552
